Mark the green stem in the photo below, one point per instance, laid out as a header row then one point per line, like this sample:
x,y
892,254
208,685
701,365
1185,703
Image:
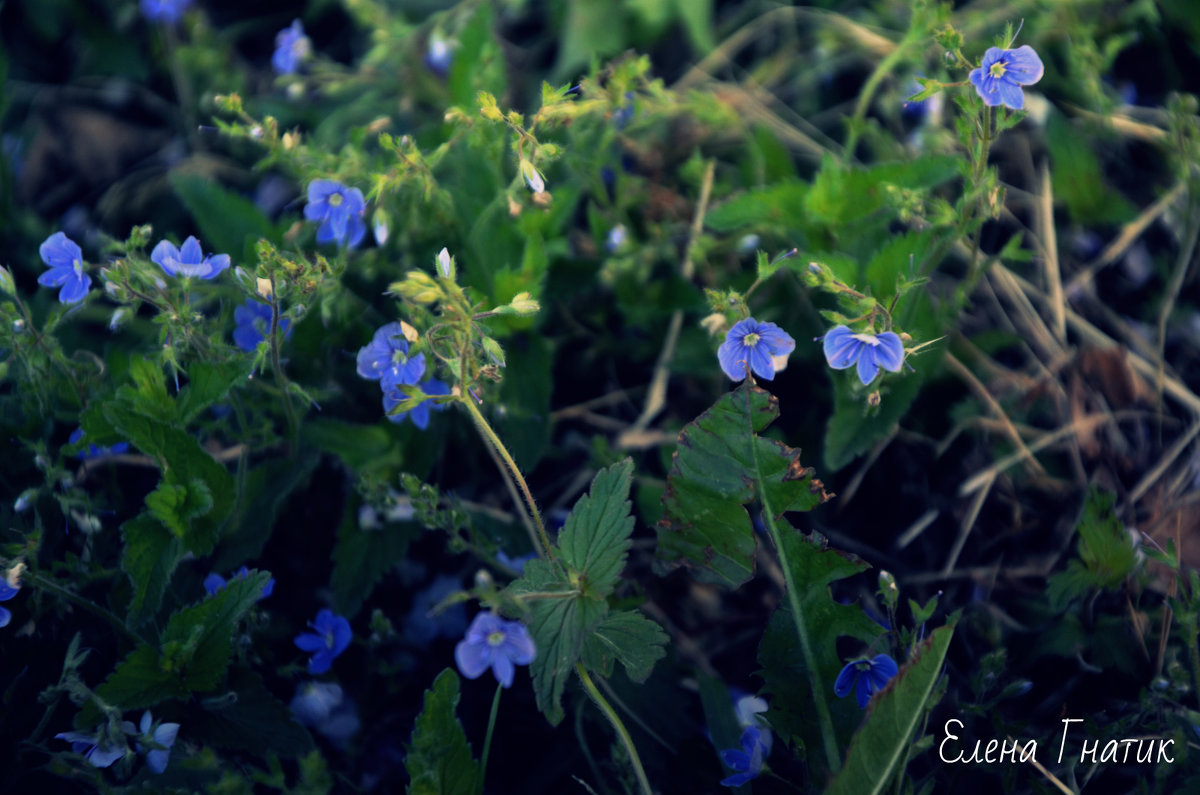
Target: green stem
x,y
915,34
38,581
490,436
487,740
277,369
833,758
618,727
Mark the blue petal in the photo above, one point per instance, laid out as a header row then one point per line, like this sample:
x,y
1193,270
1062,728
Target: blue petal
x,y
734,358
472,658
736,759
353,201
862,691
502,667
216,264
213,583
737,780
342,635
760,362
55,276
320,190
325,232
157,760
75,289
60,251
319,663
166,256
309,642
373,358
166,733
1023,66
338,219
841,348
1011,94
5,616
518,644
890,351
356,229
420,415
316,210
845,681
884,666
190,252
778,341
868,368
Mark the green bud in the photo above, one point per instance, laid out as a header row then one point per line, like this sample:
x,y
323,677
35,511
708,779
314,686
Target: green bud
x,y
418,287
493,350
7,285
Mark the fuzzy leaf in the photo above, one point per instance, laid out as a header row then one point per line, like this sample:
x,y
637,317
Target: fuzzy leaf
x,y
151,555
439,759
719,467
629,637
595,539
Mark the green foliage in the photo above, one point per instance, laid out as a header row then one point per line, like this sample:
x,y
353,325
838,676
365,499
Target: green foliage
x,y
814,567
880,748
191,656
781,205
721,465
1107,555
567,596
1077,177
361,557
439,758
151,554
249,718
229,224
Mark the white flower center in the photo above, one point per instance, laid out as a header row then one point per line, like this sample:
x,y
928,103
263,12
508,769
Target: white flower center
x,y
869,339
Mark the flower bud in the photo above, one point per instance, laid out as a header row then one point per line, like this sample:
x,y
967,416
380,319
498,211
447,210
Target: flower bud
x,y
7,285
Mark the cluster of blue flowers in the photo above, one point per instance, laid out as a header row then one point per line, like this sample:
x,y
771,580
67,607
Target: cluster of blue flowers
x,y
155,741
386,359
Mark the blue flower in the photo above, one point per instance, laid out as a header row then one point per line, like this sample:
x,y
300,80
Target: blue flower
x,y
517,564
440,55
215,582
65,259
748,708
751,345
492,642
746,763
339,210
291,47
999,78
253,320
385,359
6,592
324,707
844,348
94,451
164,10
331,638
158,741
188,260
420,414
98,754
866,677
422,626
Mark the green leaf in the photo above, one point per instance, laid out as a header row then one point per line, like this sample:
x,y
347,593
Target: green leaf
x,y
439,758
478,62
207,384
176,505
229,224
814,567
629,637
697,17
264,490
879,747
567,595
184,463
852,430
361,447
361,558
149,391
780,205
1077,177
1105,548
560,620
595,539
248,718
719,461
150,557
842,194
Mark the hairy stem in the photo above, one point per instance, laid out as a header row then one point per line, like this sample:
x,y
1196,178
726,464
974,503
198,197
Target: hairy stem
x,y
618,727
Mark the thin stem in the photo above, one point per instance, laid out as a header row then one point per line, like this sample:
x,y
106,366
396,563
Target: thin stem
x,y
38,581
833,758
513,471
487,740
277,369
619,727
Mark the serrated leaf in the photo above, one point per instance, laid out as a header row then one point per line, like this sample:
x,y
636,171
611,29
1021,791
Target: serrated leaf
x,y
595,539
175,505
150,557
207,384
439,758
841,194
714,472
361,447
192,656
1105,548
248,718
628,637
780,205
814,567
892,717
361,558
559,625
182,461
149,391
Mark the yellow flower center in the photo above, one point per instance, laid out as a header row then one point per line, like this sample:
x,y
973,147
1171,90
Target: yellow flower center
x,y
335,199
495,638
750,340
997,69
